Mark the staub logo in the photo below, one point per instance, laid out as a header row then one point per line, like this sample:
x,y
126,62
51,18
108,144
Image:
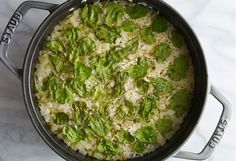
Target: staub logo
x,y
14,21
215,139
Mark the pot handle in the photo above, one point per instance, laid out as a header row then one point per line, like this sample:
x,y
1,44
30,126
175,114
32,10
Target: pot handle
x,y
218,133
10,30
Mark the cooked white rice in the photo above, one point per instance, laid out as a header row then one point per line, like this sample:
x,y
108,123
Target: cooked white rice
x,y
49,107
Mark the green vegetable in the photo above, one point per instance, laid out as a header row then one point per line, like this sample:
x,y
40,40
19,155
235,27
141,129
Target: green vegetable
x,y
82,71
90,134
114,13
178,69
144,61
92,15
162,52
180,102
59,93
107,33
55,46
86,46
146,134
57,62
131,46
73,50
62,95
159,24
60,118
49,83
71,33
36,84
108,148
125,109
147,35
138,146
125,137
147,105
73,133
129,26
119,83
164,125
122,111
137,11
98,94
103,67
99,126
80,112
80,88
177,39
143,85
139,70
116,55
162,86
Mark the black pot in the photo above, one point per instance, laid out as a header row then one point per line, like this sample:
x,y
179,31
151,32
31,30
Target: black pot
x,y
202,87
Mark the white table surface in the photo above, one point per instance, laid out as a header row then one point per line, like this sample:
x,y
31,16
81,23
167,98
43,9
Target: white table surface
x,y
214,22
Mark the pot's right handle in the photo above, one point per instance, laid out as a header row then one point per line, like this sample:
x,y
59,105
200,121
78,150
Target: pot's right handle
x,y
218,133
11,27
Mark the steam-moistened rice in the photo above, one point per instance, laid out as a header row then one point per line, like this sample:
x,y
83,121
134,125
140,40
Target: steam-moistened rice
x,y
114,80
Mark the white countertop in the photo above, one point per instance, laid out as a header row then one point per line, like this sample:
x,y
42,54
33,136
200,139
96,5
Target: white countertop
x,y
214,22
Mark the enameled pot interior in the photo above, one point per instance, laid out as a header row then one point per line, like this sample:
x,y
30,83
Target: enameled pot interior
x,y
190,120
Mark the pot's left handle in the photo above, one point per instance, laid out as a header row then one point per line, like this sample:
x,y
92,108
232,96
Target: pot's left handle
x,y
11,27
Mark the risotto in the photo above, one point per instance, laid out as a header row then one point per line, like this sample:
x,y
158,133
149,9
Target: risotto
x,y
114,80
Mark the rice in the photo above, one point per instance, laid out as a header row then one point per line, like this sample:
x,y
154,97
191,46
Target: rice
x,y
131,93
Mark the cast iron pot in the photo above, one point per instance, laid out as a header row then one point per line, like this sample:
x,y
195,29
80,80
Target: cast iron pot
x,y
202,87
